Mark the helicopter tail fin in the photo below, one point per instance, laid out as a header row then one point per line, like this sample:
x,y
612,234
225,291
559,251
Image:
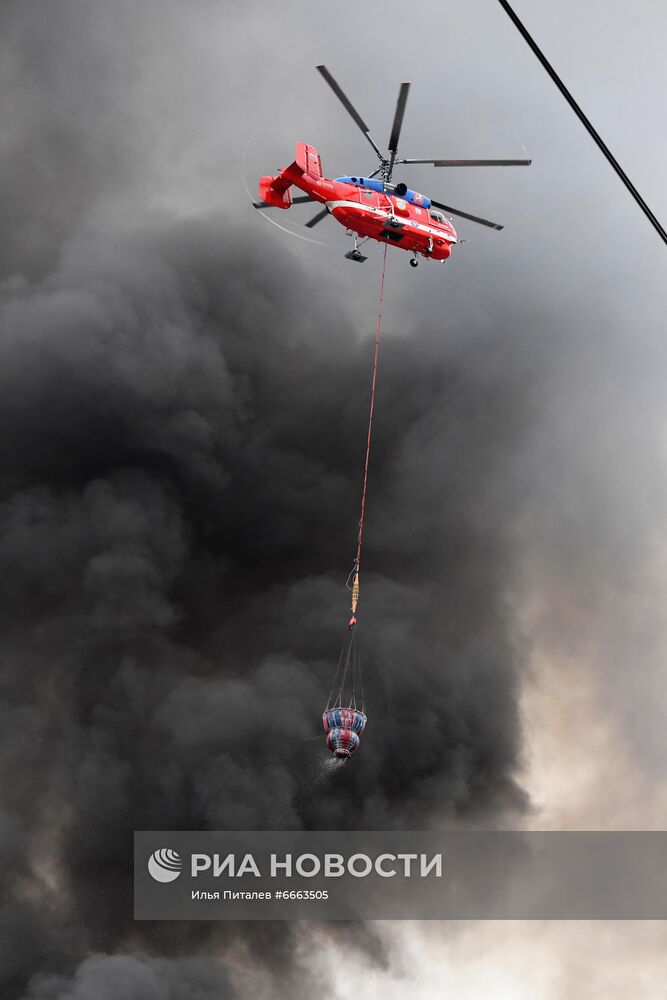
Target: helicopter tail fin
x,y
275,191
308,159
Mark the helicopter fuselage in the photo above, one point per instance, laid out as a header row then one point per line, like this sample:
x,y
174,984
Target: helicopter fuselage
x,y
366,206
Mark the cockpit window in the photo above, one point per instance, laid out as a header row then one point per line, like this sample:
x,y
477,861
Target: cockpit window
x,y
437,216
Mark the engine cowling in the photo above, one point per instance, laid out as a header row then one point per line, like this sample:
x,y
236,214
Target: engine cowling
x,y
414,197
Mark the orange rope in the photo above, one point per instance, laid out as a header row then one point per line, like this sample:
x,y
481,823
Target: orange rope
x,y
357,561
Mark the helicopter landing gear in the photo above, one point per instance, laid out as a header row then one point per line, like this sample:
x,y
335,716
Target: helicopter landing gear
x,y
354,254
414,262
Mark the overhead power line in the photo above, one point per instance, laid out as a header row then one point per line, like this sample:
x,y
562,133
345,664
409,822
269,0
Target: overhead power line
x,y
584,120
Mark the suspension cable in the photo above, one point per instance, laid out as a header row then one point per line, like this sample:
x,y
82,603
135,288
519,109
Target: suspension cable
x,y
360,537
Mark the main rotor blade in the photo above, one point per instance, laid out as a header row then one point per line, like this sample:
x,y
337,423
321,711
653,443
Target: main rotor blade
x,y
472,163
349,107
302,199
398,122
466,215
317,218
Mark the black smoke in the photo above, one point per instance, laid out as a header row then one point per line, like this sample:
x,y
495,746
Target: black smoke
x,y
183,447
183,424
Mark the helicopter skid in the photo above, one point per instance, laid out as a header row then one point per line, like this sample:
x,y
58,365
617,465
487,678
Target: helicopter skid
x,y
356,256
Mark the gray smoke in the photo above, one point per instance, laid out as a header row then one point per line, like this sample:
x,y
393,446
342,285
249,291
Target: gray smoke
x,y
136,977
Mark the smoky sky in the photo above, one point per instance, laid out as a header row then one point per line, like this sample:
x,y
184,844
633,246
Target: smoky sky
x,y
183,398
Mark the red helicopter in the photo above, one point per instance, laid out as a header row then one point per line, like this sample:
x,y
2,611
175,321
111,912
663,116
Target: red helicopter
x,y
372,207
